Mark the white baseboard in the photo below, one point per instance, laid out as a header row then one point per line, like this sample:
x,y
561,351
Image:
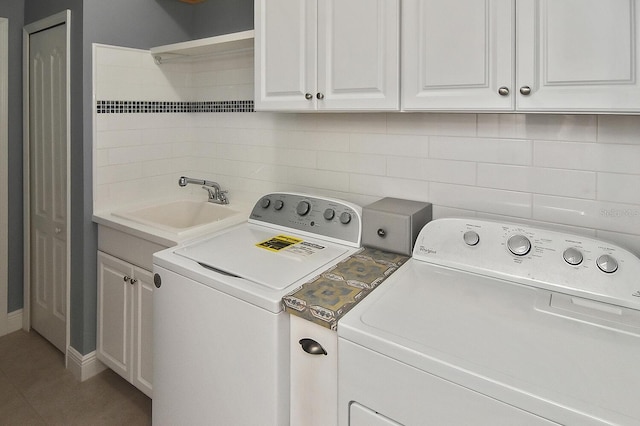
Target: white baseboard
x,y
14,321
83,367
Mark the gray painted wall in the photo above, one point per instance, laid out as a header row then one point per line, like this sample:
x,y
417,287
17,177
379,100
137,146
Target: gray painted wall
x,y
14,11
139,24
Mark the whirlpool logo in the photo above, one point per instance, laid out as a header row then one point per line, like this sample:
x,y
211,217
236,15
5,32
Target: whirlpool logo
x,y
425,250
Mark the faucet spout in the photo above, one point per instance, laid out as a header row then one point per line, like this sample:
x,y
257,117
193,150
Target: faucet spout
x,y
216,194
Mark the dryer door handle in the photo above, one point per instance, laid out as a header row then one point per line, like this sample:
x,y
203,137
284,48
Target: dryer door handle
x,y
312,347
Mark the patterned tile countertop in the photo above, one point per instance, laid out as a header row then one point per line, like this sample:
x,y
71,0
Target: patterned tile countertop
x,y
329,296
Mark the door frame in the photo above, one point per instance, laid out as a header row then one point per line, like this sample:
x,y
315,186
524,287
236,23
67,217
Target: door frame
x,y
60,18
4,180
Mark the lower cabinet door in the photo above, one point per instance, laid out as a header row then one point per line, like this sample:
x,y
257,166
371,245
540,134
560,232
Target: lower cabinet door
x,y
114,339
143,330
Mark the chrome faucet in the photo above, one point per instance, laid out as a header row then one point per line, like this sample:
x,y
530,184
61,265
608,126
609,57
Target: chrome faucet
x,y
216,195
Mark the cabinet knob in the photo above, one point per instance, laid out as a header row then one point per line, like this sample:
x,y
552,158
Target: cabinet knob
x,y
126,278
319,96
308,96
525,90
503,91
133,281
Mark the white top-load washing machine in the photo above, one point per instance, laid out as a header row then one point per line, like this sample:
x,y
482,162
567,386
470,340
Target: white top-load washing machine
x,y
221,337
496,324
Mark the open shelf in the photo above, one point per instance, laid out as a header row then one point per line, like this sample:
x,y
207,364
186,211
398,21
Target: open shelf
x,y
204,47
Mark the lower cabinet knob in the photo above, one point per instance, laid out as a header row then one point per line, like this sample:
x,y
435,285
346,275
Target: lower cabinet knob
x,y
126,278
157,280
320,96
382,233
308,96
503,91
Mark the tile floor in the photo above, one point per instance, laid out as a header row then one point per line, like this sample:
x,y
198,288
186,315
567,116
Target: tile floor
x,y
36,389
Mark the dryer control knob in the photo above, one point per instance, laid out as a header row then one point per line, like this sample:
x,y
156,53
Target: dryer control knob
x,y
329,214
471,238
265,202
519,245
278,205
572,256
607,264
303,208
345,218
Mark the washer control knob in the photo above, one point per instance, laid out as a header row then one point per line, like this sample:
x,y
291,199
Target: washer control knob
x,y
265,202
519,245
471,238
607,264
345,218
329,214
303,208
278,205
572,256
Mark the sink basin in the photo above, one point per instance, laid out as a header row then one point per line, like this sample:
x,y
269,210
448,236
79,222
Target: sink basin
x,y
179,216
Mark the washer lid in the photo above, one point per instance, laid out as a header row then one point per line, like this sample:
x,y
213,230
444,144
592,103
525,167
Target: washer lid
x,y
273,258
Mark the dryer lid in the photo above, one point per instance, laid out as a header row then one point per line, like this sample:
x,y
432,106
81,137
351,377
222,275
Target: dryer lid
x,y
273,258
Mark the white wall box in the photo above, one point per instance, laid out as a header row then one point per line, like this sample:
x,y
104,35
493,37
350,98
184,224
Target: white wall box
x,y
125,306
523,55
336,55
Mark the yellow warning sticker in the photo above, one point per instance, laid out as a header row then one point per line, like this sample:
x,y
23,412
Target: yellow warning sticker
x,y
278,243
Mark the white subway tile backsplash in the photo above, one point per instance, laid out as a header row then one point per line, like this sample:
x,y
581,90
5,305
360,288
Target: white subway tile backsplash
x,y
578,173
461,172
381,186
509,203
366,164
119,138
601,215
619,129
588,156
389,144
504,151
432,124
619,188
570,183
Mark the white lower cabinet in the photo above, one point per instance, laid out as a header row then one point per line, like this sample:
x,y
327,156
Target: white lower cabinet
x,y
125,314
314,374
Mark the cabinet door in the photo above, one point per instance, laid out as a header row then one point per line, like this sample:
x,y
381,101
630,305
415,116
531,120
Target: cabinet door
x,y
578,55
114,340
143,330
285,54
358,54
458,54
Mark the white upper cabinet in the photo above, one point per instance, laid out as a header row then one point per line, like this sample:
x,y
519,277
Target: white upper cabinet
x,y
457,54
327,55
578,55
570,56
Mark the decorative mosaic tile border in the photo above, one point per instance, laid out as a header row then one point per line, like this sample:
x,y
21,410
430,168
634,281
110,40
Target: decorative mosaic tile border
x,y
142,107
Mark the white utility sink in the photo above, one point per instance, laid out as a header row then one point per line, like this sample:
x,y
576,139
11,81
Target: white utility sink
x,y
179,216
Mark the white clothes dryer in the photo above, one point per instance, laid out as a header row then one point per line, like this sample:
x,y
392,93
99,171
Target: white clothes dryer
x,y
496,324
221,337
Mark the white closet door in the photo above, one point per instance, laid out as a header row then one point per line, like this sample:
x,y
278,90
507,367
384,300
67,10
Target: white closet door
x,y
578,55
48,182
